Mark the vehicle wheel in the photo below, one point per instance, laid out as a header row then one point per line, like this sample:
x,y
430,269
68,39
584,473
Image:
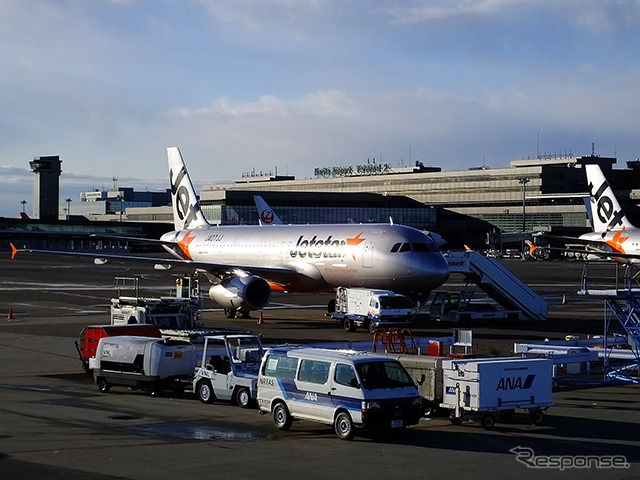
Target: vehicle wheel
x,y
536,416
349,325
204,391
229,313
455,420
487,421
428,409
153,390
103,386
371,326
243,397
343,426
281,416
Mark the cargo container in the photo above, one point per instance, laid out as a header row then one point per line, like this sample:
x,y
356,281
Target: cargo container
x,y
489,387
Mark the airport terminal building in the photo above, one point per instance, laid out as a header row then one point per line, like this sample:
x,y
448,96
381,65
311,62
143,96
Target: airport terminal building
x,y
478,207
463,206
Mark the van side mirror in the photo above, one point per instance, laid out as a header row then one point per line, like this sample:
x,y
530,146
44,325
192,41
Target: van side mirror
x,y
422,379
354,383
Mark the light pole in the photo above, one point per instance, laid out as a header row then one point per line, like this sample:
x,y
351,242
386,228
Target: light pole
x,y
23,202
523,181
68,200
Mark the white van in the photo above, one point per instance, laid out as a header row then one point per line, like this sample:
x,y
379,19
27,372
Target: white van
x,y
343,388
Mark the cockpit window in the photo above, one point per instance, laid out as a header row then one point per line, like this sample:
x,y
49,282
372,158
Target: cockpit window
x,y
406,247
427,246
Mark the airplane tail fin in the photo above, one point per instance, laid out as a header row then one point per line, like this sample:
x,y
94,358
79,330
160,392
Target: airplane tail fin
x,y
606,212
186,207
266,215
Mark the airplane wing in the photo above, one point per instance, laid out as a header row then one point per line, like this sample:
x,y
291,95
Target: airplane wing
x,y
275,274
595,248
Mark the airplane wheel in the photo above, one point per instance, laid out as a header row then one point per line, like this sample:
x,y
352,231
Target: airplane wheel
x,y
229,313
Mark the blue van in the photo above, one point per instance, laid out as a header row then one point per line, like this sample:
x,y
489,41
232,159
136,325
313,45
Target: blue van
x,y
343,388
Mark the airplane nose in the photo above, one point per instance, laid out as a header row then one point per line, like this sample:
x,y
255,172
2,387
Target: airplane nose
x,y
438,270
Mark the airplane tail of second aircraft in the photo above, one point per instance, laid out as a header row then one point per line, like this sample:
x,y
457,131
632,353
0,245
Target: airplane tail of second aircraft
x,y
186,206
606,212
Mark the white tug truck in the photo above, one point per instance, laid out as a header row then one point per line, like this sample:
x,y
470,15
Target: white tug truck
x,y
228,369
371,309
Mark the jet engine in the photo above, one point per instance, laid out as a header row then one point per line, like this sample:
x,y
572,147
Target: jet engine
x,y
241,293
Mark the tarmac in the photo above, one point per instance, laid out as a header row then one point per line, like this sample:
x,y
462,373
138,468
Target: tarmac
x,y
55,424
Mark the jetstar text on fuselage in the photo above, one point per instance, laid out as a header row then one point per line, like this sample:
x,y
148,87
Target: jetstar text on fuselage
x,y
323,248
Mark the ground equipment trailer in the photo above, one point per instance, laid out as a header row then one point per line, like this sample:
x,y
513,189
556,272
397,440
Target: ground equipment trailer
x,y
228,369
87,342
371,309
143,363
496,387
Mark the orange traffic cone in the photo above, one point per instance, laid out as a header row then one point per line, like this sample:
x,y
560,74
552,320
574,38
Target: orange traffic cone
x,y
10,316
260,319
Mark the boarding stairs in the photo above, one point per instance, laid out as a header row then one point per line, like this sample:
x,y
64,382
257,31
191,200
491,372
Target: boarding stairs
x,y
626,308
499,283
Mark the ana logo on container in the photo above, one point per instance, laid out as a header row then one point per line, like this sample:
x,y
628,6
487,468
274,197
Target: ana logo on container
x,y
515,383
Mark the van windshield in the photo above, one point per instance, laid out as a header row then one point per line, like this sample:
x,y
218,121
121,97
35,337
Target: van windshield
x,y
383,374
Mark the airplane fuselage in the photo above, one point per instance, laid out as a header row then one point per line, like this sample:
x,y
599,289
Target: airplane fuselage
x,y
320,257
625,241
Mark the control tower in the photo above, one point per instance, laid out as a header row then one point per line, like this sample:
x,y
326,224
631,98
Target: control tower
x,y
46,187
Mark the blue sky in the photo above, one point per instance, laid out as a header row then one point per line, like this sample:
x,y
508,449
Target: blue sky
x,y
244,85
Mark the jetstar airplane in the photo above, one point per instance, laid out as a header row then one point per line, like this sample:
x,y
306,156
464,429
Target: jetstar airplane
x,y
246,262
613,235
266,216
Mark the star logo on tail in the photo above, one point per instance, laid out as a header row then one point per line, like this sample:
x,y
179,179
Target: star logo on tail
x,y
616,242
185,242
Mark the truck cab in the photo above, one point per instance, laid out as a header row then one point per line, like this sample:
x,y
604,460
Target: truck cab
x,y
228,369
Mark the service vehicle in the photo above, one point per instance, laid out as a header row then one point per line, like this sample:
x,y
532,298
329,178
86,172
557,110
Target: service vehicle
x,y
343,388
496,387
457,307
371,309
143,363
87,342
228,369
